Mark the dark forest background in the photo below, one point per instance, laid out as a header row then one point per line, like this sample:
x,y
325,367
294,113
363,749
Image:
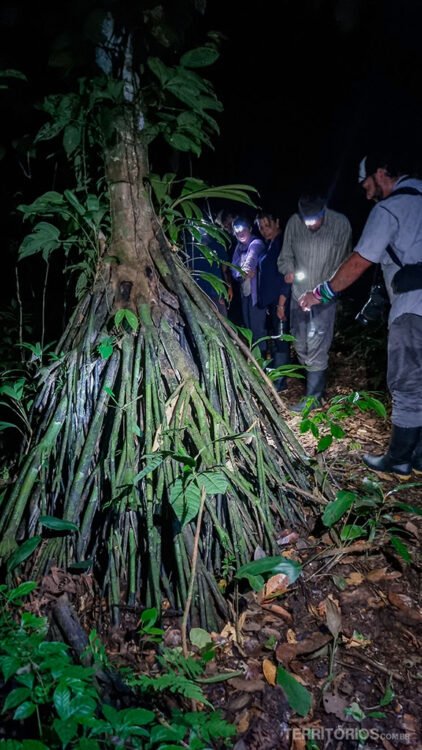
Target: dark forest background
x,y
307,86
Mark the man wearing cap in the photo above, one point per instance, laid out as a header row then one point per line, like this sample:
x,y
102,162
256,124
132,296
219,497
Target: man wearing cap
x,y
316,241
391,236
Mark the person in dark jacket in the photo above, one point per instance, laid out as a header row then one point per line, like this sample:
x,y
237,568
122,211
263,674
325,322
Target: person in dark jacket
x,y
273,291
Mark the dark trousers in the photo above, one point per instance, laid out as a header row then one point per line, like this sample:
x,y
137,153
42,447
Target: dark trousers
x,y
404,370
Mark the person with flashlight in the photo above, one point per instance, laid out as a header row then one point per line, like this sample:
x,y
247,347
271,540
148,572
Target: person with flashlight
x,y
273,292
247,252
316,241
392,236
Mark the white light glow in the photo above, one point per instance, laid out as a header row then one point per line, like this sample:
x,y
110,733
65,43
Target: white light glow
x,y
299,276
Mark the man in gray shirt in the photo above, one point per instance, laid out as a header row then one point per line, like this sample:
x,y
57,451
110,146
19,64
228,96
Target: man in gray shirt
x,y
316,241
391,236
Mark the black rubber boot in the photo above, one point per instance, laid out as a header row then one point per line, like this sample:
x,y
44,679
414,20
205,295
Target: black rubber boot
x,y
280,358
397,462
315,387
417,456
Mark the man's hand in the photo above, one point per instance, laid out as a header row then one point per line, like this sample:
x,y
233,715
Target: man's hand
x,y
306,301
289,278
230,294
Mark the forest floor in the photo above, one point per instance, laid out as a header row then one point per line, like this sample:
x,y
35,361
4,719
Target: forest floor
x,y
349,629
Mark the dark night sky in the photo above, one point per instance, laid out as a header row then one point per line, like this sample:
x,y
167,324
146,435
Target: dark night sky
x,y
306,95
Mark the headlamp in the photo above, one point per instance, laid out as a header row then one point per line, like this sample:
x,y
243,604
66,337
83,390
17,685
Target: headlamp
x,y
240,226
311,221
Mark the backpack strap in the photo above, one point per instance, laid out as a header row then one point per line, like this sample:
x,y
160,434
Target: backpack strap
x,y
400,191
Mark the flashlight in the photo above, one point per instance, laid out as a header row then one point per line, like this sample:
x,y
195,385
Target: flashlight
x,y
299,275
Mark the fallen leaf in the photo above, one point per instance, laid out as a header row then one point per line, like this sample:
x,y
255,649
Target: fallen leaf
x,y
291,636
382,574
279,611
354,579
243,722
248,686
334,703
270,671
285,652
275,586
332,616
411,613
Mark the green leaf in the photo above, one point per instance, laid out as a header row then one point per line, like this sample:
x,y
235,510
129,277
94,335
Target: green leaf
x,y
185,500
324,443
271,565
200,57
387,697
338,507
71,138
352,531
33,745
9,665
376,715
355,711
149,617
199,637
408,508
15,698
336,430
23,552
129,316
22,590
174,732
401,548
154,461
299,699
44,239
105,348
57,524
24,711
67,729
215,482
137,716
61,700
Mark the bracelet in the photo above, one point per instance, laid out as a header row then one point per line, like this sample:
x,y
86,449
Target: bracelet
x,y
324,292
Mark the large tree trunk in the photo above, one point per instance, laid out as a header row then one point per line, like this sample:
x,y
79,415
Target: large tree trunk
x,y
182,383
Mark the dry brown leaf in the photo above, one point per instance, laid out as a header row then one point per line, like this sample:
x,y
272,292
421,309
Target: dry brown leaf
x,y
332,616
291,636
243,722
275,586
382,574
356,642
401,601
334,703
285,652
270,671
299,742
276,609
354,579
248,686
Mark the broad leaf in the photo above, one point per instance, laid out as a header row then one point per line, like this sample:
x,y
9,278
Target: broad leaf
x,y
199,57
23,552
338,507
57,524
299,698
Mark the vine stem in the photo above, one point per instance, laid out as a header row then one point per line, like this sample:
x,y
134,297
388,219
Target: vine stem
x,y
194,561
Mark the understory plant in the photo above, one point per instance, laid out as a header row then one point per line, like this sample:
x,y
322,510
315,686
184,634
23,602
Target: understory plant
x,y
49,702
327,424
372,515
